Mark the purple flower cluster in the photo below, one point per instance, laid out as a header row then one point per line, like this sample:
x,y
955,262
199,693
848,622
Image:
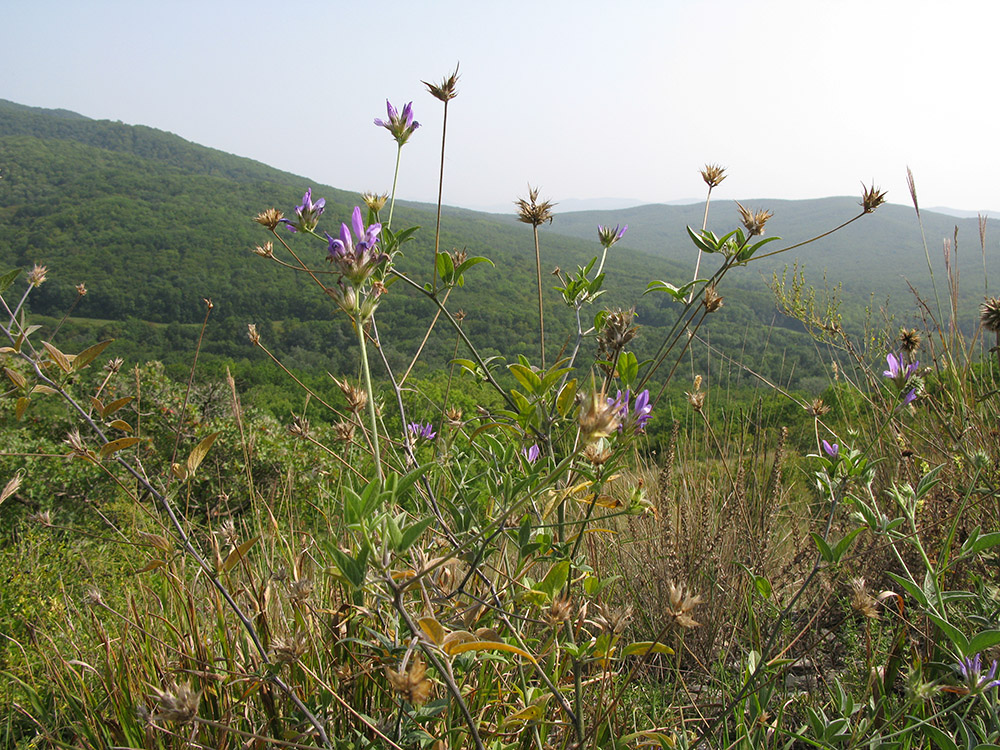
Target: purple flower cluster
x,y
900,373
531,454
356,259
971,669
400,125
833,451
422,431
635,417
307,215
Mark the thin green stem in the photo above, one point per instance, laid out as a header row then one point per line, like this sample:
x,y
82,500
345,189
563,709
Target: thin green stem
x,y
395,177
541,314
437,228
371,395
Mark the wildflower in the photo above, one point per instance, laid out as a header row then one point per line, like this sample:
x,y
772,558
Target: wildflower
x,y
400,125
640,412
345,297
252,334
598,417
898,371
453,416
344,432
114,365
871,198
971,670
92,597
37,275
265,251
446,90
833,451
713,174
596,454
270,218
817,408
81,289
227,532
608,236
356,261
307,215
696,396
357,398
531,454
299,427
422,431
613,621
616,332
179,704
559,611
412,685
754,221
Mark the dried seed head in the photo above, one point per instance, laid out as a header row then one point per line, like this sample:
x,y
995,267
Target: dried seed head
x,y
871,198
861,601
114,365
42,518
696,397
300,590
713,174
81,289
291,648
12,486
92,597
616,332
458,257
453,416
75,442
753,221
596,454
680,604
559,611
227,532
37,275
989,314
613,621
374,202
596,417
357,398
412,685
269,218
447,89
253,335
299,427
713,300
265,251
532,211
179,704
459,316
343,431
909,340
817,408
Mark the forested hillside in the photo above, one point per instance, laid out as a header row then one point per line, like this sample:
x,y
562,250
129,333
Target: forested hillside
x,y
153,224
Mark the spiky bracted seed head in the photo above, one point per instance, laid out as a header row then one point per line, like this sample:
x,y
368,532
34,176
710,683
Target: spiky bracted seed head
x,y
447,89
754,221
713,174
871,198
532,211
989,314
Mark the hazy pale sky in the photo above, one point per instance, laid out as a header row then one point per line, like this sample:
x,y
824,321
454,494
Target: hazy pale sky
x,y
586,99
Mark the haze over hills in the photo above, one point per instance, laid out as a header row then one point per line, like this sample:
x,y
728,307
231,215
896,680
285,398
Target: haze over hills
x,y
153,224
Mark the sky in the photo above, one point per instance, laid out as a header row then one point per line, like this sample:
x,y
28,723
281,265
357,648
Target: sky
x,y
585,100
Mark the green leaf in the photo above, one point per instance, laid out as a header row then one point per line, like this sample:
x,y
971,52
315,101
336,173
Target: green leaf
x,y
412,532
841,547
953,634
942,740
566,398
628,368
825,551
199,452
7,279
555,579
526,377
354,570
911,588
641,648
982,641
88,355
984,542
238,554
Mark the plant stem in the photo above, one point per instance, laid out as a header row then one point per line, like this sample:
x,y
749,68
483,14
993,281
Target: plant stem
x,y
437,228
395,177
371,396
541,315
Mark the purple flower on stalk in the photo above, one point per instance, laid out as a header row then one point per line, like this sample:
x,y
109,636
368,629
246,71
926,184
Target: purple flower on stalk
x,y
531,454
356,259
307,215
897,371
422,431
971,669
608,236
641,410
833,451
401,126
